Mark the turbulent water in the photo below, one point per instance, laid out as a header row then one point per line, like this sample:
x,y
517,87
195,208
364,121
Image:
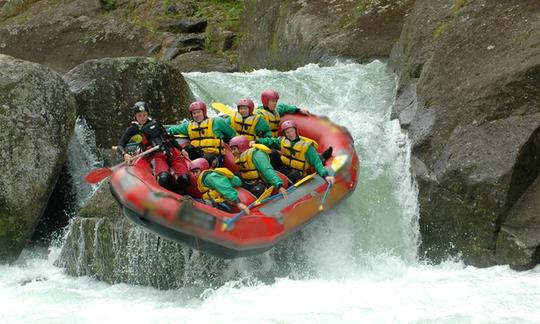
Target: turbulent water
x,y
362,254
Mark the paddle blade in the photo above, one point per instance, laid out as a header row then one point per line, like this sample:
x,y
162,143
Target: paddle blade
x,y
97,175
338,162
224,109
264,195
227,222
323,200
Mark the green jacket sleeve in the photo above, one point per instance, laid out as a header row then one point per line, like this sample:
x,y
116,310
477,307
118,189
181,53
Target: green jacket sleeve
x,y
236,181
262,163
315,161
223,185
179,129
271,142
262,129
284,109
222,129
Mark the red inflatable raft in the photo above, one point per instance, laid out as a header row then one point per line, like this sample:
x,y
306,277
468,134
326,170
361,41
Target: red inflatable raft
x,y
182,219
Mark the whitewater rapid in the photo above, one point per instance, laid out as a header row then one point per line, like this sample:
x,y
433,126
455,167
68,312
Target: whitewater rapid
x,y
361,257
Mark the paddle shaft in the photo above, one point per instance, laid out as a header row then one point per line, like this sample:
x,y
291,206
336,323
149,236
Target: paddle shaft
x,y
98,175
133,158
321,207
231,221
336,165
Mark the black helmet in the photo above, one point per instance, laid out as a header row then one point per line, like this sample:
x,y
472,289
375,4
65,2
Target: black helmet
x,y
140,106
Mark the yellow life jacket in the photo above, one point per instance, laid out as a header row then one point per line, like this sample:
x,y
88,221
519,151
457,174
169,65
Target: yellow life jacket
x,y
272,118
209,193
245,126
294,155
247,169
202,136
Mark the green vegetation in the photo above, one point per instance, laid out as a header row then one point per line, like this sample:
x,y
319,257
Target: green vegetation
x,y
226,13
458,5
443,26
109,5
221,15
440,30
15,7
365,6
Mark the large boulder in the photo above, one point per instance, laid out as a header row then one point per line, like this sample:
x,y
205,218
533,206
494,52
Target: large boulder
x,y
62,34
469,95
288,34
37,113
106,89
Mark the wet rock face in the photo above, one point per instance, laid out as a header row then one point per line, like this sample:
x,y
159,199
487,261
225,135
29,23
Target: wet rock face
x,y
203,62
37,112
65,34
106,89
469,95
288,34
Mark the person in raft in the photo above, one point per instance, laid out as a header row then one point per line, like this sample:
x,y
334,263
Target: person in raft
x,y
207,135
298,153
271,111
154,134
254,166
244,122
217,185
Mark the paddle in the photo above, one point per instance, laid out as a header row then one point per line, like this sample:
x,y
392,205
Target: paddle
x,y
262,199
224,109
97,175
229,222
337,163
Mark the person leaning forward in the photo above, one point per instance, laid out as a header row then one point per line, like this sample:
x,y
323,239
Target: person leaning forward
x,y
154,134
207,135
217,185
254,166
244,122
297,154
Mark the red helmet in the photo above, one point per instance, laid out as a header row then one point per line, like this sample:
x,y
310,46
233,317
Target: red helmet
x,y
246,102
200,163
241,142
269,94
288,124
198,105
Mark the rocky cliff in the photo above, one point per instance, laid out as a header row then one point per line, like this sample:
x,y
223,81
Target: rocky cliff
x,y
288,34
469,96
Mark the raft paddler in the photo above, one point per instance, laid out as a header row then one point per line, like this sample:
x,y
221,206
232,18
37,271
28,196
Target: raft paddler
x,y
167,158
298,153
254,166
271,111
217,185
207,135
244,122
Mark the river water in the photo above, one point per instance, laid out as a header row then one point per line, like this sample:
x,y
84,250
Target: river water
x,y
363,258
